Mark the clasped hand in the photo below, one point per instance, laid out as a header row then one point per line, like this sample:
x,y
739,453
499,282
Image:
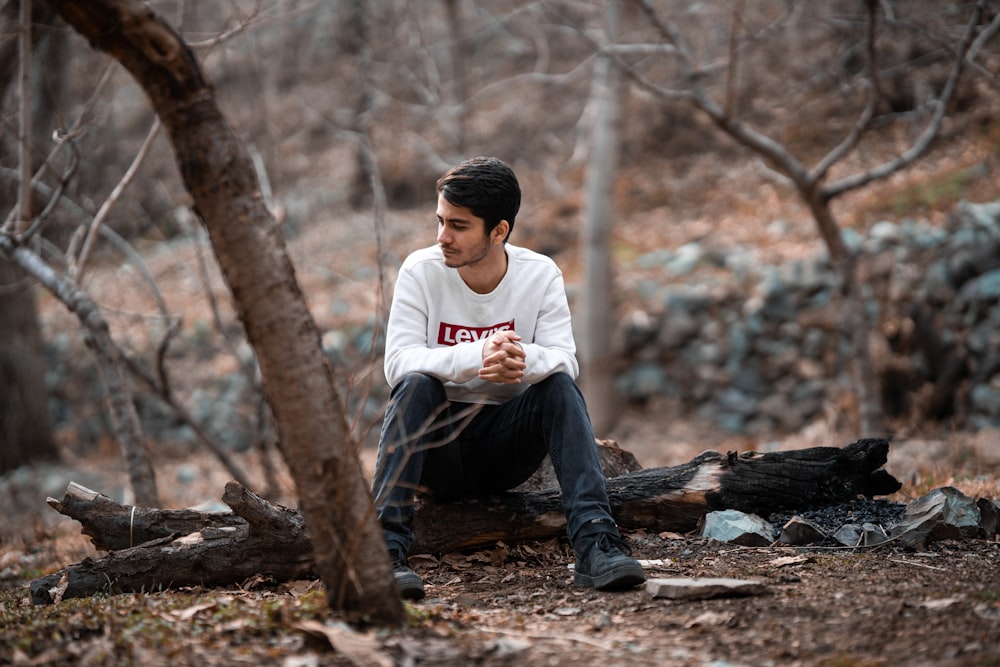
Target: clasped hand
x,y
503,358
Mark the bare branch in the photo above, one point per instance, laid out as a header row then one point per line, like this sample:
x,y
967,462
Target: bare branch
x,y
24,91
62,137
244,24
68,172
783,160
927,137
121,408
78,265
731,73
872,94
986,35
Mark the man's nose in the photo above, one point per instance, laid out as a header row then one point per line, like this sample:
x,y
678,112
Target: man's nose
x,y
444,236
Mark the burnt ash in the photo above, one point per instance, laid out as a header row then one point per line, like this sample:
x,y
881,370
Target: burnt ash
x,y
829,519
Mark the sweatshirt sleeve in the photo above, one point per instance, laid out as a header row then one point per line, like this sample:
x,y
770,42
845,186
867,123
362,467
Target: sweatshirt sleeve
x,y
407,348
552,348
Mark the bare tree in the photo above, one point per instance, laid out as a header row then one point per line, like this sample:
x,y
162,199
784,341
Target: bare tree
x,y
298,380
697,83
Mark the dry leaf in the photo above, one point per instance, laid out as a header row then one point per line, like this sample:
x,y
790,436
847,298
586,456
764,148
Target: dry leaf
x,y
57,591
363,650
790,560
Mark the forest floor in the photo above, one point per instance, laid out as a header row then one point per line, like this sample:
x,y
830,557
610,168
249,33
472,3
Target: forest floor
x,y
516,604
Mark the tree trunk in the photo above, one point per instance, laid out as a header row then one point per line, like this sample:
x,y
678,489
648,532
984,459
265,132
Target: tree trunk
x,y
25,424
855,324
596,359
216,547
297,378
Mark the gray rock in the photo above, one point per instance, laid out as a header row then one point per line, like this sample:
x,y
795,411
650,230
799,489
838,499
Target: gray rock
x,y
681,588
942,514
872,535
798,532
737,527
849,535
989,517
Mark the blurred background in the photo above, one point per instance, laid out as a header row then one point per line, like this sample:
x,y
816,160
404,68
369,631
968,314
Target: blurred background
x,y
734,190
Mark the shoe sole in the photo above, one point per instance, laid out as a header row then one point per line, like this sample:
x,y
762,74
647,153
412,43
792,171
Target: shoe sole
x,y
410,586
626,576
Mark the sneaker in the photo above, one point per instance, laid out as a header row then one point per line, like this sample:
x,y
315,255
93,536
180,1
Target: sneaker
x,y
603,559
410,585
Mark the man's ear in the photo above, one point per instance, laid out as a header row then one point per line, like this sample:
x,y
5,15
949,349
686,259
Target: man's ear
x,y
500,231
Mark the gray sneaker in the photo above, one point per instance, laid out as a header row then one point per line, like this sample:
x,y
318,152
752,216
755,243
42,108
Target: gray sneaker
x,y
410,585
602,559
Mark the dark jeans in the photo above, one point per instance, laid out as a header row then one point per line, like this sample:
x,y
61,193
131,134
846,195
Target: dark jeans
x,y
461,449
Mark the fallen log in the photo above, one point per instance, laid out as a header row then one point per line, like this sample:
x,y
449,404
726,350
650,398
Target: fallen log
x,y
258,540
183,547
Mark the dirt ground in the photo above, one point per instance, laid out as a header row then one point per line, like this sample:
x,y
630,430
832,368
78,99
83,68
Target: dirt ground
x,y
516,604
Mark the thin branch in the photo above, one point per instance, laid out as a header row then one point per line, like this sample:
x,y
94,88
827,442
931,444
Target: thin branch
x,y
244,24
78,265
121,408
872,94
986,35
24,91
56,196
924,141
731,73
61,137
165,393
744,134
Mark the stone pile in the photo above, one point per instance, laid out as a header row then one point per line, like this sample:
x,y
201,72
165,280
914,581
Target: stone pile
x,y
752,348
759,348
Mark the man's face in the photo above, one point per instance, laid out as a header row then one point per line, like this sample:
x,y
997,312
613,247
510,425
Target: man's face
x,y
462,235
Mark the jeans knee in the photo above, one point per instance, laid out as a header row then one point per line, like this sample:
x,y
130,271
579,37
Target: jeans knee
x,y
560,388
419,385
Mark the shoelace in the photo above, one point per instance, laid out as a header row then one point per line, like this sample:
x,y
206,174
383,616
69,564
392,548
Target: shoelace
x,y
608,541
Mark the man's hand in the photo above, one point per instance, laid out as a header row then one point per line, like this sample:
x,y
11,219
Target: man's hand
x,y
503,358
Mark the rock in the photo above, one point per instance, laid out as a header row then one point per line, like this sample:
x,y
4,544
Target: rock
x,y
797,531
989,517
681,588
737,527
849,535
872,535
942,514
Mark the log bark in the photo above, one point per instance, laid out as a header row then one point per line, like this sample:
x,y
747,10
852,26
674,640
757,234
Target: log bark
x,y
191,548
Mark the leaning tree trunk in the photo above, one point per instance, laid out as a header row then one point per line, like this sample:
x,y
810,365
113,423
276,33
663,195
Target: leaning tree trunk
x,y
297,378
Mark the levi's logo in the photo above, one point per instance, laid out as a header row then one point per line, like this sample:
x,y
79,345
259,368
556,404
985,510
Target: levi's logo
x,y
452,334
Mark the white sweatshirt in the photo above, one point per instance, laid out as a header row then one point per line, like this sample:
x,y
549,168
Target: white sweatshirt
x,y
438,325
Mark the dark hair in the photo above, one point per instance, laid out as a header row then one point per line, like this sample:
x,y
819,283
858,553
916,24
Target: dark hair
x,y
487,187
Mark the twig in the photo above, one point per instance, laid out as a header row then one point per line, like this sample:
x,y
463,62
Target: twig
x,y
77,266
906,562
61,137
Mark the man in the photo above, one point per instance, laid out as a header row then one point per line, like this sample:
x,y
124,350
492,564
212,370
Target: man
x,y
481,360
